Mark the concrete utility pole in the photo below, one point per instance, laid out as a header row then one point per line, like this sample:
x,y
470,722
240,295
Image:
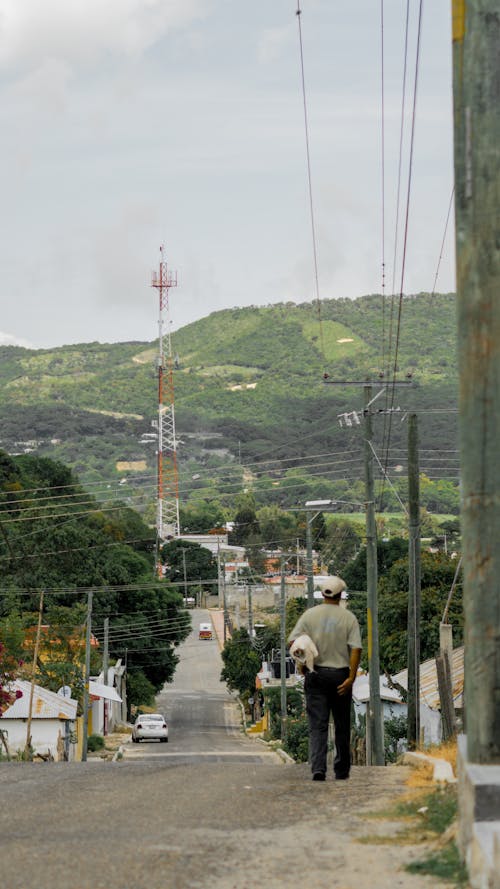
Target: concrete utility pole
x,y
309,561
375,709
283,650
476,78
413,735
88,636
183,550
250,611
105,668
319,506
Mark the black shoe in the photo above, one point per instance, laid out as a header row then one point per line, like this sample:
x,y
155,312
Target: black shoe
x,y
319,776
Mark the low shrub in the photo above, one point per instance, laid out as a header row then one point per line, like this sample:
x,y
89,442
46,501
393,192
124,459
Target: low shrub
x,y
297,738
95,742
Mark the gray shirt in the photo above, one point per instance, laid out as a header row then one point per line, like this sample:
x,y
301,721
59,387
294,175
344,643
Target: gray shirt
x,y
333,629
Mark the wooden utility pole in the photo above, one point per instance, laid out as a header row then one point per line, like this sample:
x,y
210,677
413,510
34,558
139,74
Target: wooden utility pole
x,y
88,636
476,78
413,586
33,674
105,670
374,712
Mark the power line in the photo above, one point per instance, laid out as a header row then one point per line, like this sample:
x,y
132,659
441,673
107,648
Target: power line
x,y
309,179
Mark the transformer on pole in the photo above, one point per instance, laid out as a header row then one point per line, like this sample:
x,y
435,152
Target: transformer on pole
x,y
167,509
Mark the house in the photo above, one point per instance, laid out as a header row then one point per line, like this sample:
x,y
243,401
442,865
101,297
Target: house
x,y
430,704
108,702
53,726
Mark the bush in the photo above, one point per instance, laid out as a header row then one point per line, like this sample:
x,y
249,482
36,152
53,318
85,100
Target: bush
x,y
294,707
297,738
95,742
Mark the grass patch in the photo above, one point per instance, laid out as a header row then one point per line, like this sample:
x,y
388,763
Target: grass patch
x,y
435,811
425,816
444,865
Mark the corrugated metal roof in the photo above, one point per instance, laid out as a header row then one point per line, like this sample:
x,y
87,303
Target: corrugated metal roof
x,y
46,704
429,692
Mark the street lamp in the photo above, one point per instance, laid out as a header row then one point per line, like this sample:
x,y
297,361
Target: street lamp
x,y
318,506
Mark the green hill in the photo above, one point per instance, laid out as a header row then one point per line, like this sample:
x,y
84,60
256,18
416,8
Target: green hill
x,y
249,393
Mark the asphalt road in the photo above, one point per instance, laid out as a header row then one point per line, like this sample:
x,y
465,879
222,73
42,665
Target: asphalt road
x,y
204,719
214,811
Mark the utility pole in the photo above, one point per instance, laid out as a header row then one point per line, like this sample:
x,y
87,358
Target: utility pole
x,y
476,71
33,671
184,572
250,611
414,586
283,649
319,506
105,668
309,562
375,708
88,635
219,578
224,600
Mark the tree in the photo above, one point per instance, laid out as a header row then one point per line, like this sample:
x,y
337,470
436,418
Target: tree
x,y
199,519
278,528
199,561
340,546
10,664
64,543
241,663
245,526
437,573
388,552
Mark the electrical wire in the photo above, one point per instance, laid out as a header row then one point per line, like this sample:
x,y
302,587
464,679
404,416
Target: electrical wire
x,y
309,179
443,241
405,235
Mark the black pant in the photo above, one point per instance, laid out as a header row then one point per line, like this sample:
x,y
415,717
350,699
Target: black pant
x,y
321,700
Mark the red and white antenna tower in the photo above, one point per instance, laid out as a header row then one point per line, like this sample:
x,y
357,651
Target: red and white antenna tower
x,y
167,510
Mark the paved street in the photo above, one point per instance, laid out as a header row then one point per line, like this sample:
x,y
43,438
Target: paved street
x,y
204,719
213,810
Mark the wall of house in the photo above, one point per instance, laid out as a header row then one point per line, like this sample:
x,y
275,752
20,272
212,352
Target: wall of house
x,y
44,735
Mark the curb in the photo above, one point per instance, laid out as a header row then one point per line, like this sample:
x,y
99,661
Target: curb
x,y
442,770
283,755
119,755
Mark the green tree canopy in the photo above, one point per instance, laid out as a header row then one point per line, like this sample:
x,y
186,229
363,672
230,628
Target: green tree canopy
x,y
241,662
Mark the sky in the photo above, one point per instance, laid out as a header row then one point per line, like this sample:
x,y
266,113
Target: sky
x,y
127,124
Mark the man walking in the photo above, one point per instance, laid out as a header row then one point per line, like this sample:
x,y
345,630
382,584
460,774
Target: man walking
x,y
335,632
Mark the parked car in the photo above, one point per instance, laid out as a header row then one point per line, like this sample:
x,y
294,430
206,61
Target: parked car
x,y
150,727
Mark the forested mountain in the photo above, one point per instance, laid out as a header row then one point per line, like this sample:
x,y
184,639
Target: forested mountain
x,y
252,407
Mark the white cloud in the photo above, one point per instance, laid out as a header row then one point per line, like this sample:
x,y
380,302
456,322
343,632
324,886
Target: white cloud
x,y
80,31
274,42
8,339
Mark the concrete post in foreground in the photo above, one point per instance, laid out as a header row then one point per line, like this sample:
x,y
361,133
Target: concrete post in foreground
x,y
476,87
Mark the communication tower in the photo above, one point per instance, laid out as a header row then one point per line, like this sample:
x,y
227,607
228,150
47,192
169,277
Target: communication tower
x,y
167,510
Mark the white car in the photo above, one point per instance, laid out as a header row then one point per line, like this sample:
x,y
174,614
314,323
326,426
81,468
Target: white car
x,y
150,727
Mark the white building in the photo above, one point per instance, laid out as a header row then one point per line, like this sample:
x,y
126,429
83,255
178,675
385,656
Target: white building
x,y
52,722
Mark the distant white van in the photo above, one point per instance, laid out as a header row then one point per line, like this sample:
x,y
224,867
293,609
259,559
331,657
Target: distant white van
x,y
205,631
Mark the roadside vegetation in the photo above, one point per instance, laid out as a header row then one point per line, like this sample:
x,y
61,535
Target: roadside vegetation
x,y
57,538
